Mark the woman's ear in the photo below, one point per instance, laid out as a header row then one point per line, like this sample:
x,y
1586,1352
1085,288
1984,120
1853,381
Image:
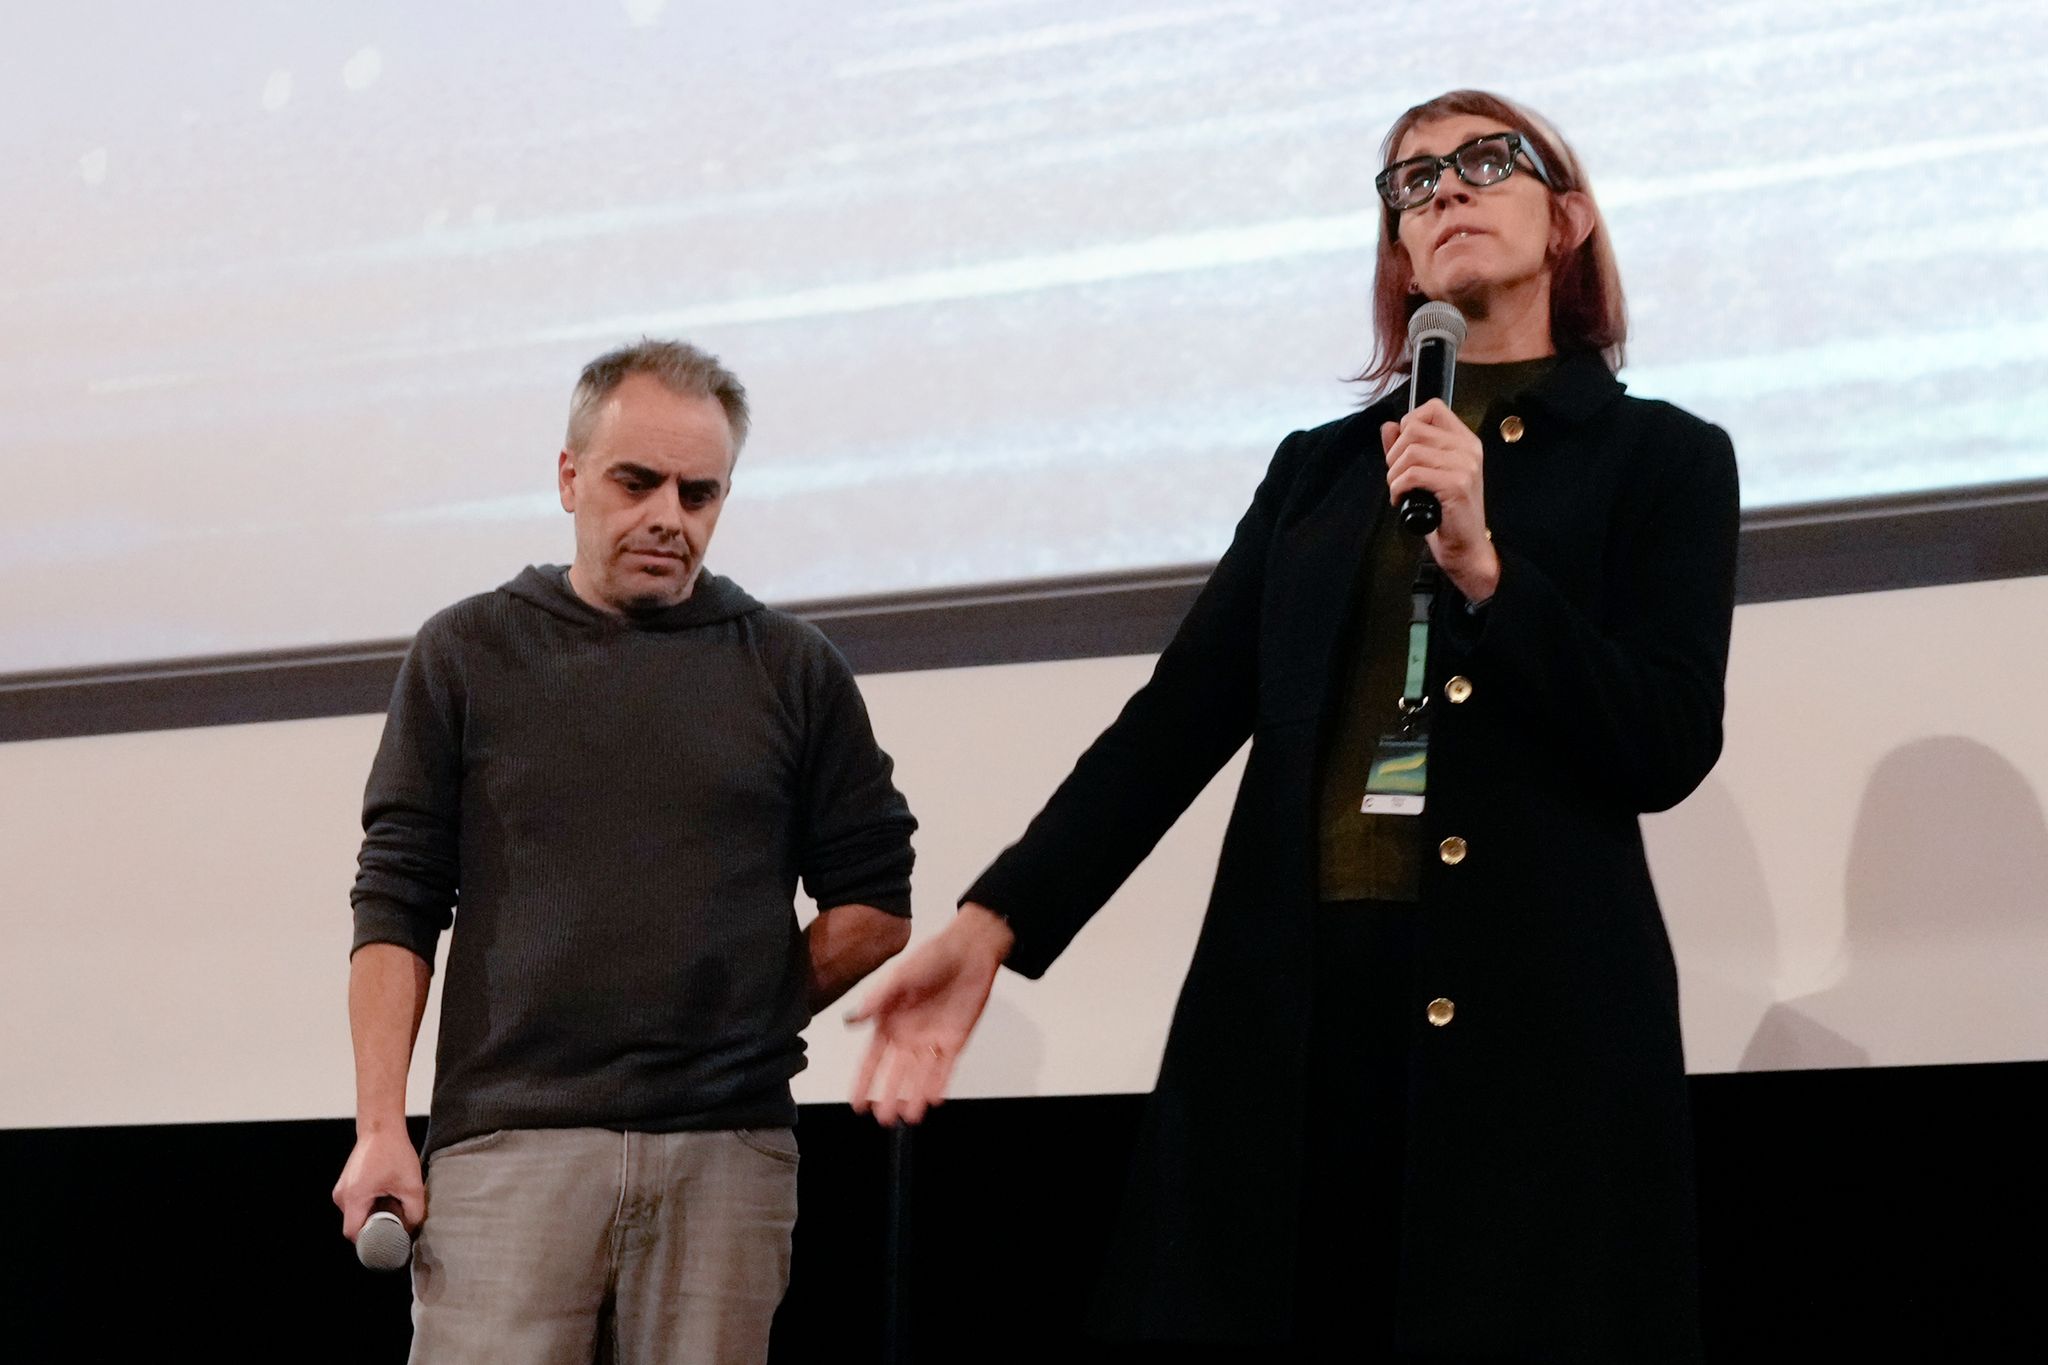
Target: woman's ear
x,y
1408,269
1572,224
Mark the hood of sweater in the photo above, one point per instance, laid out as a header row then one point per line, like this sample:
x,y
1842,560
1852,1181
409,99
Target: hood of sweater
x,y
714,599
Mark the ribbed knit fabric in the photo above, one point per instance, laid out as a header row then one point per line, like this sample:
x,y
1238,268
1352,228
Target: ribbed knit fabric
x,y
1379,857
624,807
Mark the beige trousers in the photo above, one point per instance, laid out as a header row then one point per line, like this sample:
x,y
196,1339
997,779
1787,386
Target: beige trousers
x,y
582,1244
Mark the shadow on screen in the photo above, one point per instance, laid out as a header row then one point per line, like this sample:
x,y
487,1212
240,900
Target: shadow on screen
x,y
1946,941
1717,905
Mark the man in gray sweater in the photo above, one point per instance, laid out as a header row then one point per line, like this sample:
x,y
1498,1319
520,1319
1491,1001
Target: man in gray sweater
x,y
620,771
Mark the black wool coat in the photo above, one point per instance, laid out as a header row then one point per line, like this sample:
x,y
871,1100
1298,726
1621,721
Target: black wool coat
x,y
1549,1198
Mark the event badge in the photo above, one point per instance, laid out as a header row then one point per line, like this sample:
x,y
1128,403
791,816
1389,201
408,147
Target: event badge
x,y
1399,776
1398,779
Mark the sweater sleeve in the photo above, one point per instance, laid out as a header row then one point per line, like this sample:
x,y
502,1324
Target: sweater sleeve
x,y
855,827
1142,772
408,874
1633,703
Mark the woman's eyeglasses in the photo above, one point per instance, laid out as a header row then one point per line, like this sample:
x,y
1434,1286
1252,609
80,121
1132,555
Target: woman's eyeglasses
x,y
1483,161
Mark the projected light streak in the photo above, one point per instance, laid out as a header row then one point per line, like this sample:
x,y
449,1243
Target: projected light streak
x,y
1201,134
1775,442
534,232
143,383
1794,49
86,540
838,188
1617,193
940,13
1793,106
1168,255
1716,381
1164,437
540,231
2012,423
1881,471
2005,235
1868,459
1058,92
1038,40
1856,360
1218,248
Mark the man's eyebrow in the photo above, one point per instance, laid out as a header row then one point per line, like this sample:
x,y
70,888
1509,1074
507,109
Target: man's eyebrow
x,y
698,488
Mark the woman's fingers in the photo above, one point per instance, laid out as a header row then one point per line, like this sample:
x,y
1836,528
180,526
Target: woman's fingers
x,y
942,1080
905,1080
1424,453
922,1017
886,1095
919,1080
864,1079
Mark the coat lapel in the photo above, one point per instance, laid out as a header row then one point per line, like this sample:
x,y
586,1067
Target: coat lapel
x,y
1314,572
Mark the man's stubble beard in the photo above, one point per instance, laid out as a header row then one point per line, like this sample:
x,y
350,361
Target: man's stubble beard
x,y
648,603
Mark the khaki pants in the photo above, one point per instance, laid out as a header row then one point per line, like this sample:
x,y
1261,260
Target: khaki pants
x,y
581,1244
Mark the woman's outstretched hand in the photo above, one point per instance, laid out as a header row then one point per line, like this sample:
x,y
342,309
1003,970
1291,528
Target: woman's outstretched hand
x,y
923,1012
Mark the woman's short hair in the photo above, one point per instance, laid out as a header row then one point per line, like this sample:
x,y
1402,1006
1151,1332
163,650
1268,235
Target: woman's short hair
x,y
1587,311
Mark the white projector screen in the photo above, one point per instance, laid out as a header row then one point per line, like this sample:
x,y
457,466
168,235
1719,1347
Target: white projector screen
x,y
295,294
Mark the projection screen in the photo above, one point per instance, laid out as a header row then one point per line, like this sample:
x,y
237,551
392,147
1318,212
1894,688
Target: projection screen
x,y
1021,287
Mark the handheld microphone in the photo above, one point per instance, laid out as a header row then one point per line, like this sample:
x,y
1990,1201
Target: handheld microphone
x,y
383,1243
1435,333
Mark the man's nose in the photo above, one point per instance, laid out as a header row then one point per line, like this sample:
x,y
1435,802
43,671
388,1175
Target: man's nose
x,y
667,515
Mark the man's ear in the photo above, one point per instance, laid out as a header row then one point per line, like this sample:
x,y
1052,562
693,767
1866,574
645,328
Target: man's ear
x,y
565,479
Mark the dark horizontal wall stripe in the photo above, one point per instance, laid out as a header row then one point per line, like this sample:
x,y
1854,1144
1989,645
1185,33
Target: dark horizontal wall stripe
x,y
223,690
1819,550
1092,617
1920,540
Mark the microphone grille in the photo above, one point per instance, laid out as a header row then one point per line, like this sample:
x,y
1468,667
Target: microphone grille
x,y
384,1244
1437,318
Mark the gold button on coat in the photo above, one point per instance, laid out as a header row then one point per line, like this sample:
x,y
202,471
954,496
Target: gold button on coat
x,y
1441,1011
1457,689
1511,429
1452,850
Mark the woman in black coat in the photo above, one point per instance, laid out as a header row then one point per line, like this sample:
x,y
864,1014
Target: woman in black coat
x,y
1424,1096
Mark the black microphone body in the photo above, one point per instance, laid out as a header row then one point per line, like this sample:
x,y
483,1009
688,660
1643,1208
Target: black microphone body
x,y
1434,335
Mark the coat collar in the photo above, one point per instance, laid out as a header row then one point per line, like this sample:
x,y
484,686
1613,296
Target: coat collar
x,y
1575,391
1578,388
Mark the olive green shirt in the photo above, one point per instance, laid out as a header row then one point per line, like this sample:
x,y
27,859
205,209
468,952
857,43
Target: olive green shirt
x,y
1379,857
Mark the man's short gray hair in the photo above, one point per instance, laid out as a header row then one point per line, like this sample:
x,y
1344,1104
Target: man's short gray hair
x,y
680,367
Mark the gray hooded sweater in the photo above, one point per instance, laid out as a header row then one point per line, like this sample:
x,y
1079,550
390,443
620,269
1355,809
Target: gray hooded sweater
x,y
623,808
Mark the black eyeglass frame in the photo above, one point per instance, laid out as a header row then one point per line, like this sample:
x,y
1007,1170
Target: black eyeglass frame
x,y
1453,161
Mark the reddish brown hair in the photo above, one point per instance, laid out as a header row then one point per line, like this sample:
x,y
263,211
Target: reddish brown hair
x,y
1587,311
